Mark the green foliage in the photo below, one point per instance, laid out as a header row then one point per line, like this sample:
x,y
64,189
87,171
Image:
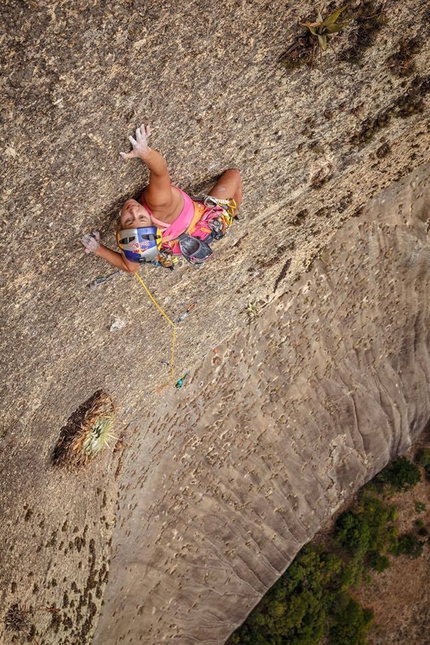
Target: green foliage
x,y
353,534
408,544
323,30
311,601
350,624
401,474
350,575
377,561
423,457
313,569
367,527
295,610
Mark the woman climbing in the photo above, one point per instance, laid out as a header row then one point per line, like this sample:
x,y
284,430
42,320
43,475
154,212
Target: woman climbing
x,y
166,222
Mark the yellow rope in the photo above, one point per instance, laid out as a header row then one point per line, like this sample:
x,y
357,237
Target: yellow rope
x,y
172,355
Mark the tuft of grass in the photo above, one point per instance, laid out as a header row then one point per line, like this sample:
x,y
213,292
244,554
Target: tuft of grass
x,y
253,309
16,619
87,432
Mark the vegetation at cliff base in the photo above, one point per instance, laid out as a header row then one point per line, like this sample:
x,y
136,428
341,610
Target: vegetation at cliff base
x,y
314,599
401,474
310,601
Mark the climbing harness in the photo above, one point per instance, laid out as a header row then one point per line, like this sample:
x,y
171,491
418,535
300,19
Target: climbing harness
x,y
212,217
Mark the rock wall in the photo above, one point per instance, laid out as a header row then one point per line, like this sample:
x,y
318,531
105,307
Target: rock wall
x,y
286,420
314,143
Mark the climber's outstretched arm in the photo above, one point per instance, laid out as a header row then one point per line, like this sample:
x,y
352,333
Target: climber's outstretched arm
x,y
158,193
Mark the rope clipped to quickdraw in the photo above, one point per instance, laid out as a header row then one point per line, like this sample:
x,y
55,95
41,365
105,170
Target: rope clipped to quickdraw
x,y
172,354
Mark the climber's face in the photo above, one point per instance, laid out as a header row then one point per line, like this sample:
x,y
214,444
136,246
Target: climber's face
x,y
134,215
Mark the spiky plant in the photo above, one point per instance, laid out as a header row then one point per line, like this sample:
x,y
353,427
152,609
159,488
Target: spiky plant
x,y
16,619
253,308
323,30
95,431
87,432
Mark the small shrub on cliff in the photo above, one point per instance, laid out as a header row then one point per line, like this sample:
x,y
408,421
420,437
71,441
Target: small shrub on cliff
x,y
87,432
318,36
423,457
420,527
323,30
420,507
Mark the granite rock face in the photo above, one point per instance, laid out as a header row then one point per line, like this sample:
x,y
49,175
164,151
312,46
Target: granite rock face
x,y
289,417
295,409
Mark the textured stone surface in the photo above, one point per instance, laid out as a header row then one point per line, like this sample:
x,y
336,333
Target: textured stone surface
x,y
313,145
287,419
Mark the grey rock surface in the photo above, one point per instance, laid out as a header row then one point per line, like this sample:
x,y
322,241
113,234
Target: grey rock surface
x,y
288,419
314,144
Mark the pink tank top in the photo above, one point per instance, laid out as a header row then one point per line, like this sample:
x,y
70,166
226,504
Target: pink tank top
x,y
181,223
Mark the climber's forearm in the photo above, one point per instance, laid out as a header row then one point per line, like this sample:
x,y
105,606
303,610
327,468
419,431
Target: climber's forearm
x,y
155,162
159,191
116,259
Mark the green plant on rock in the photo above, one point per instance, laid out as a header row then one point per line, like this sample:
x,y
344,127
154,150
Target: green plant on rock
x,y
253,308
96,436
323,30
87,432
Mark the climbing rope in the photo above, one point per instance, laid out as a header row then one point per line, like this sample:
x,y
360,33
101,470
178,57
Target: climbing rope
x,y
172,354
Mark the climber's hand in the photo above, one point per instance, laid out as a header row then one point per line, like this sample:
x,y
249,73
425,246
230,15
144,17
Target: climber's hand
x,y
91,242
140,144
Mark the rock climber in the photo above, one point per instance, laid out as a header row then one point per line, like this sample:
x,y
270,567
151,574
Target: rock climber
x,y
165,222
